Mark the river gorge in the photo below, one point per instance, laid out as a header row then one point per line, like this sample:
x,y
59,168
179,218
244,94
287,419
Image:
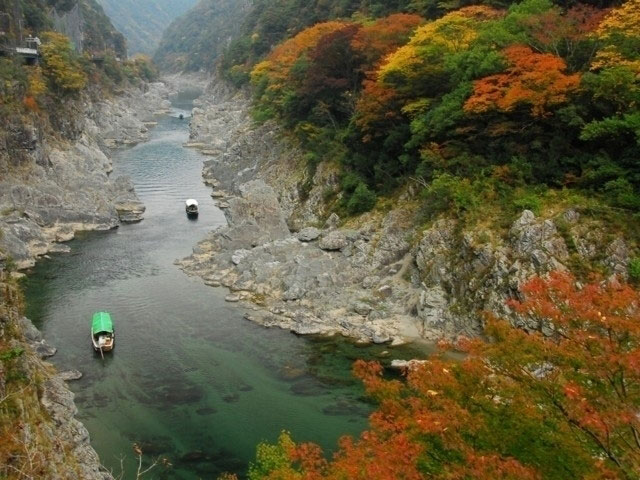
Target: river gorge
x,y
190,379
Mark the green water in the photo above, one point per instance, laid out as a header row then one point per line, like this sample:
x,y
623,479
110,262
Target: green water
x,y
189,379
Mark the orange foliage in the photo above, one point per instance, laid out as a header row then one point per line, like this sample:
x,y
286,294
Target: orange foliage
x,y
480,12
279,62
572,392
384,36
594,359
536,79
31,104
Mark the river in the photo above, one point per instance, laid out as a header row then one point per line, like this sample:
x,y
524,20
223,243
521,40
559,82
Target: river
x,y
189,379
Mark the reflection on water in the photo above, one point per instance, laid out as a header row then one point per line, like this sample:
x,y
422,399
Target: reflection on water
x,y
189,378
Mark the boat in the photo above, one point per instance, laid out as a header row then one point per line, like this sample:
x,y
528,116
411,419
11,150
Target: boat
x,y
192,208
102,335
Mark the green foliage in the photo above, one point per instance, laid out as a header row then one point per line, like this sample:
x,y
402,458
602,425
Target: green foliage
x,y
11,354
613,127
448,193
13,82
621,193
529,201
491,106
361,200
634,269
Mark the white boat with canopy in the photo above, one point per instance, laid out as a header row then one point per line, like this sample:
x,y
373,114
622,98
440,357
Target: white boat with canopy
x,y
192,207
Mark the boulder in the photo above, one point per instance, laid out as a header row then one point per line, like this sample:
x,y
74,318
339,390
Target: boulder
x,y
334,240
385,291
44,350
70,375
296,292
130,211
308,234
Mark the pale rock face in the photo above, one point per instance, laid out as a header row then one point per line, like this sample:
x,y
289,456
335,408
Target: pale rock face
x,y
66,187
382,280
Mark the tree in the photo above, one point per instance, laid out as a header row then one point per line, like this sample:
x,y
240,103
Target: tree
x,y
419,66
566,34
61,66
361,200
535,79
280,62
624,20
332,70
376,41
620,31
523,405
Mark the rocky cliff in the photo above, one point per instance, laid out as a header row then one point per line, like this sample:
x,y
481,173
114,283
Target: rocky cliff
x,y
380,277
54,178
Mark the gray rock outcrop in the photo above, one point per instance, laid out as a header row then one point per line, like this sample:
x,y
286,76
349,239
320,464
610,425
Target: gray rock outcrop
x,y
61,187
376,278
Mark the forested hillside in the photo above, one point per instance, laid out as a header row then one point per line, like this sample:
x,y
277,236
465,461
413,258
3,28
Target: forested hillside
x,y
43,94
491,109
194,41
84,21
143,22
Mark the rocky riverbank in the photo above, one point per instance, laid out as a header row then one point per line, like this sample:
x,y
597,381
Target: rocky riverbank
x,y
41,438
55,184
52,185
379,277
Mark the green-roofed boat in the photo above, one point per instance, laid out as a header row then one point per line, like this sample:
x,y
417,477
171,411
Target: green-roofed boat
x,y
102,335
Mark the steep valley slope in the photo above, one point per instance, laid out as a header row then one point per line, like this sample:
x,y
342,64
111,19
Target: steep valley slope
x,y
379,277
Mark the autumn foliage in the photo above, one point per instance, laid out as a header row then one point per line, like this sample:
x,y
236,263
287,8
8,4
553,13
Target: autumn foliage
x,y
548,91
521,405
60,63
376,41
535,79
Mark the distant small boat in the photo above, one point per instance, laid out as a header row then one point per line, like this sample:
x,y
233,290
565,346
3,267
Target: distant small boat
x,y
102,335
192,207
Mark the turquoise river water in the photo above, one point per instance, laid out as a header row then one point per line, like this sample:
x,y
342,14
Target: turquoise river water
x,y
189,379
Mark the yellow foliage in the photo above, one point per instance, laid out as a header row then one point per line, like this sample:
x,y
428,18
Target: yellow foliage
x,y
260,70
610,56
452,33
624,19
60,63
417,107
37,85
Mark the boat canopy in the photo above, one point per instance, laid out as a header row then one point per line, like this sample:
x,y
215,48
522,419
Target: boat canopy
x,y
192,203
101,323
